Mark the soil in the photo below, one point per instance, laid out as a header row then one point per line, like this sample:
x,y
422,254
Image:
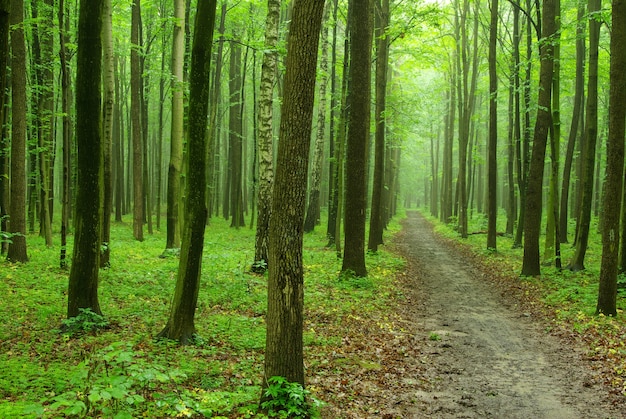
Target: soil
x,y
467,348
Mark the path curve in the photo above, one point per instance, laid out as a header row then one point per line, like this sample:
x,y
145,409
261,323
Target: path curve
x,y
484,357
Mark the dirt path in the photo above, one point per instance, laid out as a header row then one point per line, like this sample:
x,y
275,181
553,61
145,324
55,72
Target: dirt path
x,y
482,356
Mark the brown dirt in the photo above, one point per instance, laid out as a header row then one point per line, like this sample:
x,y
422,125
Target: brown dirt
x,y
460,345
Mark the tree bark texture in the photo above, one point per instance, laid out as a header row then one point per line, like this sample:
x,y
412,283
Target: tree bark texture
x,y
83,282
284,346
266,135
382,63
107,131
180,325
359,95
137,137
235,122
17,214
176,130
607,292
492,207
532,219
589,156
313,212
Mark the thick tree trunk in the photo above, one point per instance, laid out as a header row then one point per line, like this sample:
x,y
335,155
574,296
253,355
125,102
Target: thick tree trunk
x,y
176,139
266,136
83,282
584,217
532,220
17,221
180,325
607,292
358,137
284,346
5,10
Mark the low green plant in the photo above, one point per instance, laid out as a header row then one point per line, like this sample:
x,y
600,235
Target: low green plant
x,y
434,336
86,321
287,399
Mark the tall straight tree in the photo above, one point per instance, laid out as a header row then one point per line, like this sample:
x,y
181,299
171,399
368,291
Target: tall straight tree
x,y
607,292
107,131
492,208
180,325
579,93
176,140
135,104
235,142
17,211
284,346
532,216
66,132
266,135
83,282
313,210
358,137
589,154
382,64
5,11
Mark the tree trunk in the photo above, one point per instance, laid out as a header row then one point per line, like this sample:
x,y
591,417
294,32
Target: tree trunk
x,y
180,325
607,292
107,131
137,137
313,212
584,216
332,164
284,346
83,282
532,220
382,61
66,135
17,221
236,137
492,207
358,137
176,140
5,11
266,136
575,124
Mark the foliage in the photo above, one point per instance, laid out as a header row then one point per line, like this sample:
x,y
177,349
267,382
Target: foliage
x,y
86,321
123,371
288,400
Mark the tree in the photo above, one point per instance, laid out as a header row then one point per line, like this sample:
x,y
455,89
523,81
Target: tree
x,y
235,142
493,129
137,137
358,137
382,64
266,135
589,154
607,292
66,132
313,211
176,139
180,325
17,221
575,126
83,281
107,131
5,11
532,220
284,345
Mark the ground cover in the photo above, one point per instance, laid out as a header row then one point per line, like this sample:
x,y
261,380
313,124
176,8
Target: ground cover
x,y
121,371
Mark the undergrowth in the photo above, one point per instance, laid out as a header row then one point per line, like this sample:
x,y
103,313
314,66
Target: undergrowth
x,y
111,365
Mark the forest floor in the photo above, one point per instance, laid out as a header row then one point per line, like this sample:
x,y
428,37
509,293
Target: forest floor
x,y
463,343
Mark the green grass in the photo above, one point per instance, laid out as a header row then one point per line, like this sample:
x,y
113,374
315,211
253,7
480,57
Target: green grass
x,y
122,371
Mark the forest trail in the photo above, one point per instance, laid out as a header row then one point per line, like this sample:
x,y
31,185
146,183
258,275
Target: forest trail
x,y
482,356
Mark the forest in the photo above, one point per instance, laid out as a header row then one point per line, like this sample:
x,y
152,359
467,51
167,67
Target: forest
x,y
174,175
